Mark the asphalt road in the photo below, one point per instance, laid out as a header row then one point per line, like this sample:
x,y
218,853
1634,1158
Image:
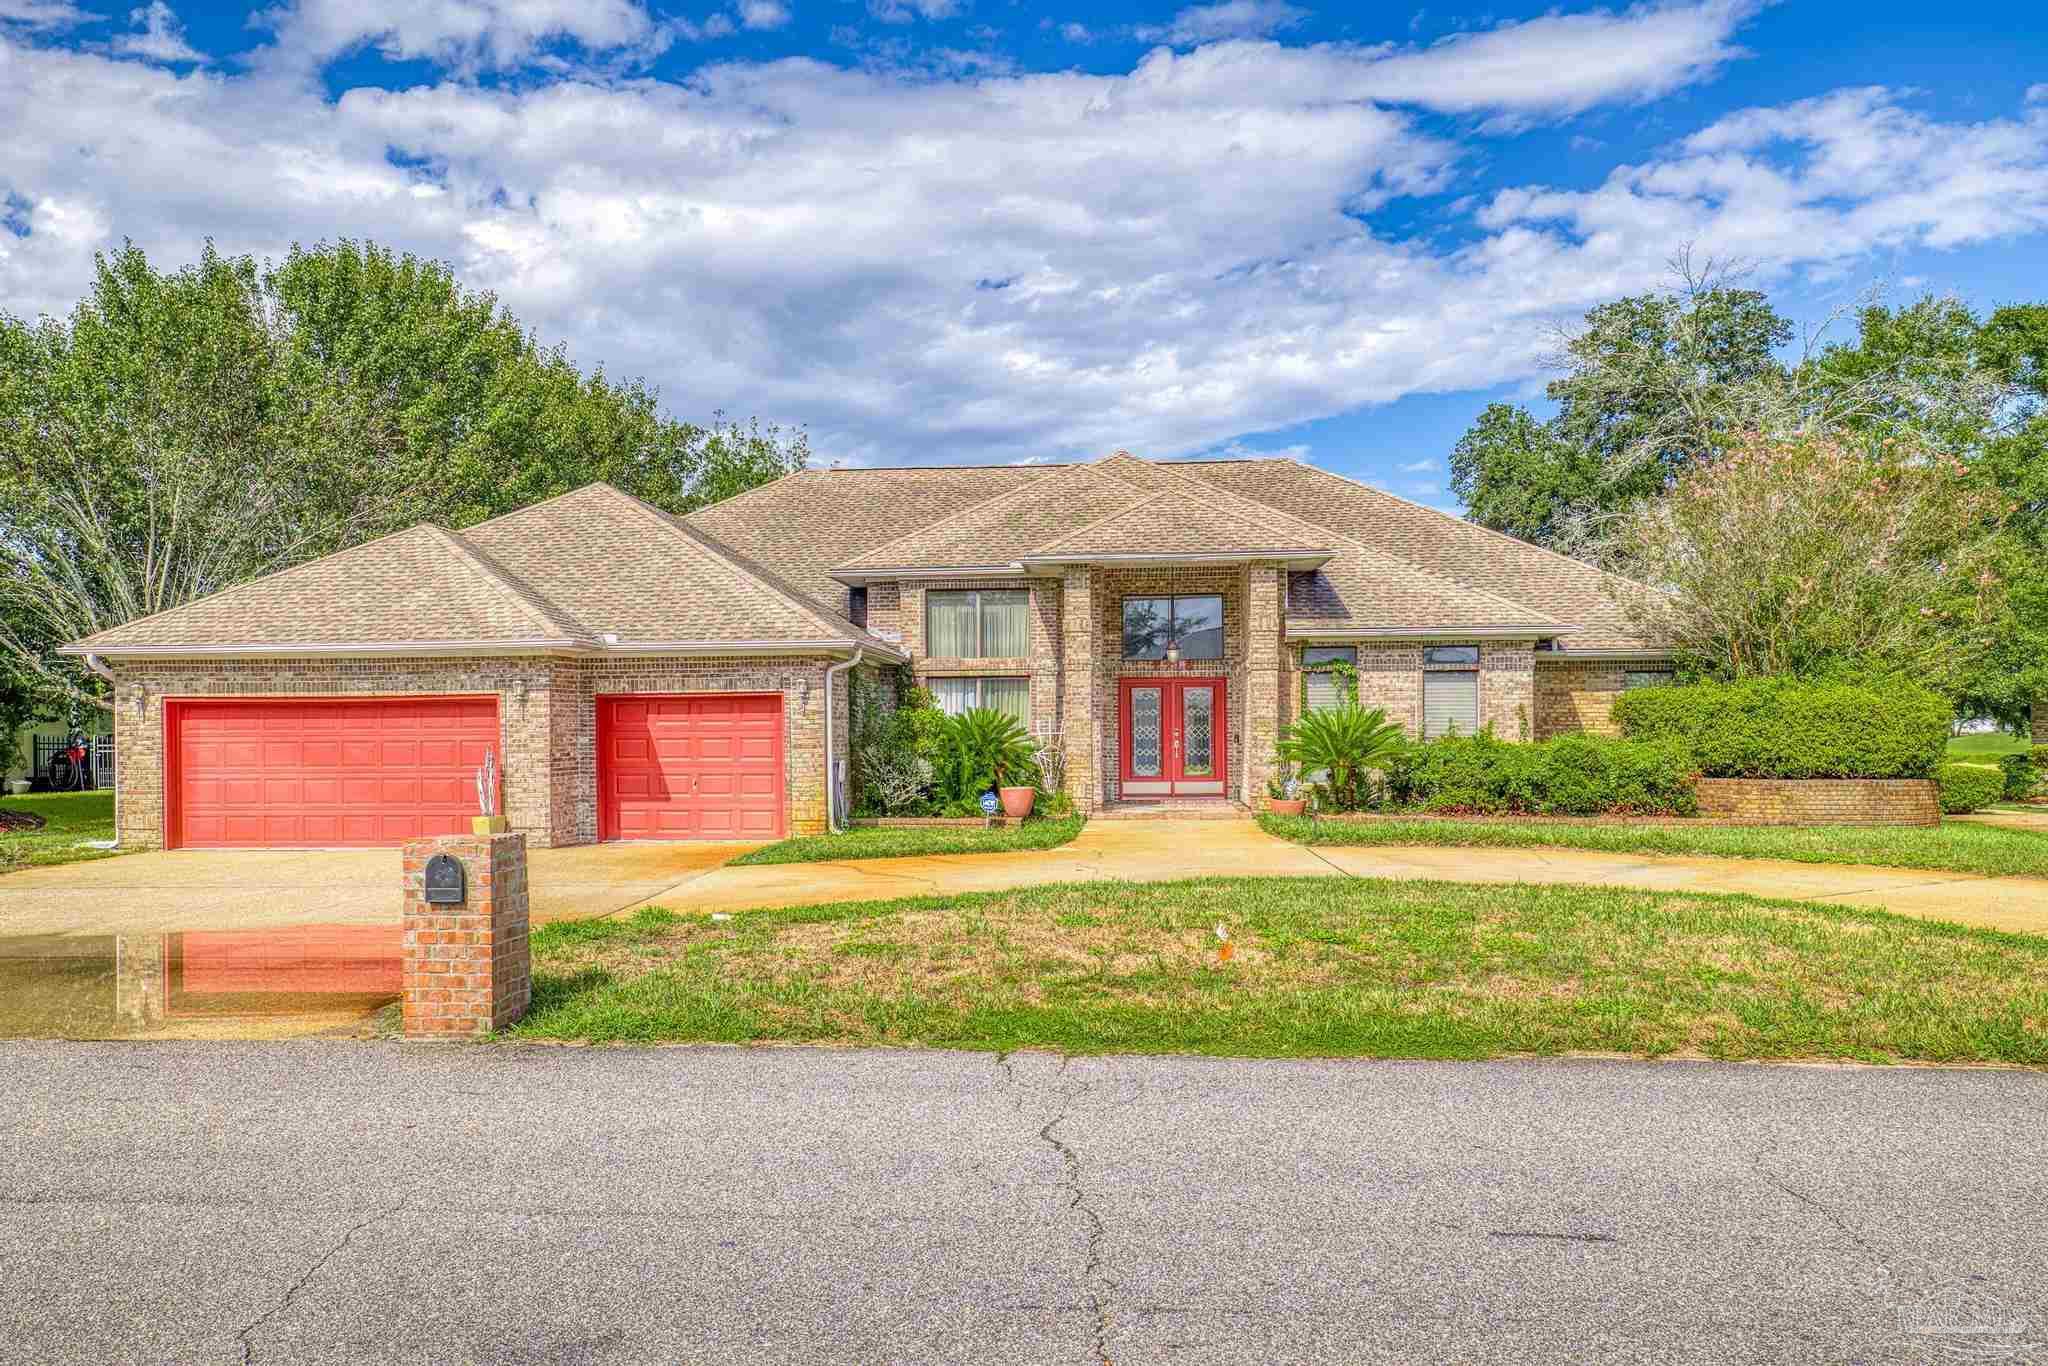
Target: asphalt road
x,y
331,1202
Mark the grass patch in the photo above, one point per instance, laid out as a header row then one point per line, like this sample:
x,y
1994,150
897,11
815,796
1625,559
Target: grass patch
x,y
1953,846
73,818
1988,746
1321,967
914,841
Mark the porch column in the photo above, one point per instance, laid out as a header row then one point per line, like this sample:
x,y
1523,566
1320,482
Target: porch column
x,y
1264,677
1078,731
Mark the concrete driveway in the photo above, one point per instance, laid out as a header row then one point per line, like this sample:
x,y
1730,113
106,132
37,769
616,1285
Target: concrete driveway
x,y
252,889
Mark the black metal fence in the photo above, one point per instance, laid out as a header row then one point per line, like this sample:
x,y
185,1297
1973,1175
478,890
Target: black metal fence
x,y
98,766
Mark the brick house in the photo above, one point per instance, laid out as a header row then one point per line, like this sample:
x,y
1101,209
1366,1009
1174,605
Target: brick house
x,y
641,676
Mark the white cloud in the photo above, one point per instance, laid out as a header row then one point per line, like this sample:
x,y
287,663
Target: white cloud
x,y
1228,19
460,34
1819,181
43,13
1562,63
763,14
162,38
1076,33
930,266
904,11
1418,467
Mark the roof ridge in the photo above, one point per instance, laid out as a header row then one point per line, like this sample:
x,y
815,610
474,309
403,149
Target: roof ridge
x,y
285,572
1468,524
1536,614
1067,471
774,584
513,587
1126,510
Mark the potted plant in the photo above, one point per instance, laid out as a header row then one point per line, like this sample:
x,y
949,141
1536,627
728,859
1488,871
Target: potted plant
x,y
1283,791
990,746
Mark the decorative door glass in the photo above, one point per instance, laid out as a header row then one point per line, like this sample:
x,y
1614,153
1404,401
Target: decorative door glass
x,y
1198,732
1147,729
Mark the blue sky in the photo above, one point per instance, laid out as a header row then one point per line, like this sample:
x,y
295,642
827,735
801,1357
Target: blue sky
x,y
977,230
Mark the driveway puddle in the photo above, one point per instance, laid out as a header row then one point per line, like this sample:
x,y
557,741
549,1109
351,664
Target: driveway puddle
x,y
267,983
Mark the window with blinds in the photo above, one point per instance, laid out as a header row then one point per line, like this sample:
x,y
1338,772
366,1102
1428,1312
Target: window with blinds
x,y
1320,687
955,695
985,623
1450,702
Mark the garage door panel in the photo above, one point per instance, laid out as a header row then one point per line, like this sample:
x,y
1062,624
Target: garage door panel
x,y
325,772
691,767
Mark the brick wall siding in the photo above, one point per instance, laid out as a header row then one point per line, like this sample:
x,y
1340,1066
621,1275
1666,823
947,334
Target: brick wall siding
x,y
2039,717
546,713
1821,801
1577,695
1390,678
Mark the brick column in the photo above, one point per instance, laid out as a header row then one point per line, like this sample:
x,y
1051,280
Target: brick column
x,y
1265,677
467,969
1077,689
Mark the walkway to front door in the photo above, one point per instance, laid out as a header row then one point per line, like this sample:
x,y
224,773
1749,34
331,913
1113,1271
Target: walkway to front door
x,y
1172,742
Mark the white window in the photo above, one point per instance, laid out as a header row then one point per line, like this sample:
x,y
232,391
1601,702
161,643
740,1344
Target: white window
x,y
982,623
1012,695
1450,702
1321,687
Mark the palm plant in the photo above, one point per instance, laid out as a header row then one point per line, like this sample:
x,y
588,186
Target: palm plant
x,y
989,748
1346,744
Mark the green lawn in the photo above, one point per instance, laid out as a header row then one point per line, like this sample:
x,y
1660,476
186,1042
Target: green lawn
x,y
911,841
1953,846
1321,967
1987,746
73,818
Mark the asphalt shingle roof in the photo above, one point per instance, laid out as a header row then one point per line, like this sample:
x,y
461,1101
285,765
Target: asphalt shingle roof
x,y
595,563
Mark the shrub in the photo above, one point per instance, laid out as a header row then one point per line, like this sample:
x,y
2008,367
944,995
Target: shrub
x,y
1788,728
2020,776
988,748
1968,787
897,754
1574,775
1346,744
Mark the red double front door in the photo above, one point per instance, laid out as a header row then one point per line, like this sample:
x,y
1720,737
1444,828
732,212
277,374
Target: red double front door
x,y
1173,737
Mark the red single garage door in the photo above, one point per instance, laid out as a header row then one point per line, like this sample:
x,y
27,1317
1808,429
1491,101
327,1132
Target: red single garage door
x,y
693,767
322,772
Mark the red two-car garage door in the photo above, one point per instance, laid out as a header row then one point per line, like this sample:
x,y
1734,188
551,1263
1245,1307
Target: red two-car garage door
x,y
322,772
697,767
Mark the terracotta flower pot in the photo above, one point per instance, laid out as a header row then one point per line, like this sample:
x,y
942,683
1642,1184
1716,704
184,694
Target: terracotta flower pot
x,y
1287,806
1017,801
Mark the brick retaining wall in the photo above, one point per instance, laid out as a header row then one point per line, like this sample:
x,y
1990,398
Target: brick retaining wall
x,y
1821,801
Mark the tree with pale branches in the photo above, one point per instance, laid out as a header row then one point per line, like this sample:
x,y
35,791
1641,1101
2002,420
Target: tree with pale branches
x,y
1807,555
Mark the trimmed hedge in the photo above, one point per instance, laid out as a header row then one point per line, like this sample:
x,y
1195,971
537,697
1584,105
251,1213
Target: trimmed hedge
x,y
1784,728
1968,787
1571,775
2020,775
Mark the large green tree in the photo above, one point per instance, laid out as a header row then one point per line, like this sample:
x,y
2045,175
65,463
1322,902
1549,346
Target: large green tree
x,y
1650,384
183,430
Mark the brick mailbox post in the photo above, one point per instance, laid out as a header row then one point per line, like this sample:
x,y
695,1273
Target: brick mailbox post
x,y
467,967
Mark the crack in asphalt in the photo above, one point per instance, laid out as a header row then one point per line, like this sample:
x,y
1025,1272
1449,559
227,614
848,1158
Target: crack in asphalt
x,y
291,1291
1096,1283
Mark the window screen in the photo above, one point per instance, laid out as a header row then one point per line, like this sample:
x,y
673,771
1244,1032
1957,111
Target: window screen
x,y
1450,702
1645,678
1320,688
1451,654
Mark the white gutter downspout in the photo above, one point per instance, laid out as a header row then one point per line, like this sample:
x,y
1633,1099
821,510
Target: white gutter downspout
x,y
93,663
831,772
